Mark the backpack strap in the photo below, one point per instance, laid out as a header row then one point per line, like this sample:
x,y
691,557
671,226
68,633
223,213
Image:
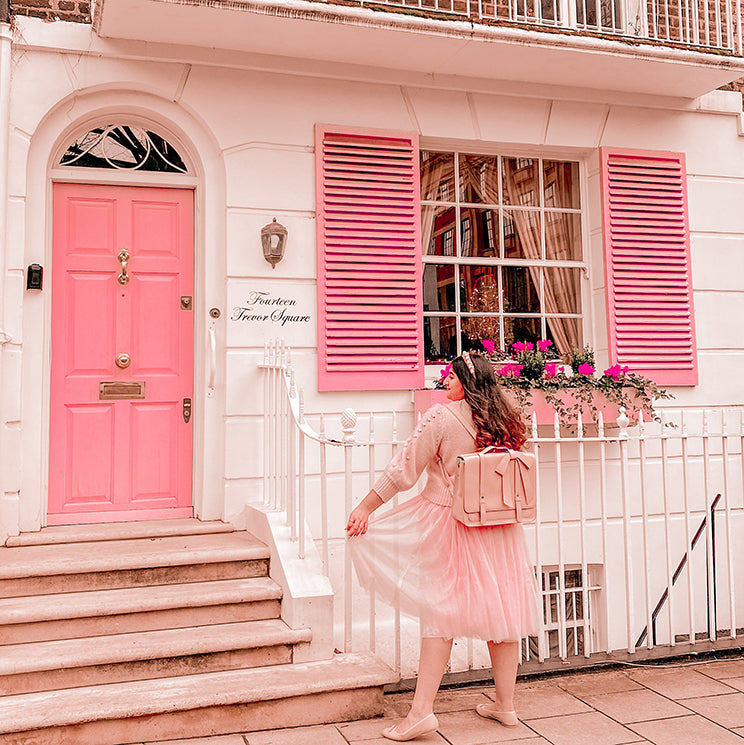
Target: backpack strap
x,y
468,428
463,420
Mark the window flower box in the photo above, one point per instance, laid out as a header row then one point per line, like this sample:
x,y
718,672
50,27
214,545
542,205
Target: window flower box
x,y
544,411
540,385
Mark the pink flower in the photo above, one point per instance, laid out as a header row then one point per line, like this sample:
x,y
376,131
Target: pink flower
x,y
511,368
518,346
551,369
616,371
544,344
585,369
445,372
529,346
488,345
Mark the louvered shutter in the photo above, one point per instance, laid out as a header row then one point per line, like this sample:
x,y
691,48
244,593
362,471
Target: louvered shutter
x,y
647,264
369,260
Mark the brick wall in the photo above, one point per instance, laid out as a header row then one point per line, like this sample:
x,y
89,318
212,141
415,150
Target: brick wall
x,y
77,11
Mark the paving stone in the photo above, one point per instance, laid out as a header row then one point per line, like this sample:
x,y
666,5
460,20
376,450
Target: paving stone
x,y
460,700
636,706
216,740
737,683
598,683
721,669
692,729
433,739
679,683
467,728
367,729
726,710
546,702
326,734
590,728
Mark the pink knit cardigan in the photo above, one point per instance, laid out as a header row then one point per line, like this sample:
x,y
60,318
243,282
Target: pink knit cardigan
x,y
439,432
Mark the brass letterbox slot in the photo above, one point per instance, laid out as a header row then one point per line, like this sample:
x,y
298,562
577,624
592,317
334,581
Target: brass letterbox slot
x,y
121,389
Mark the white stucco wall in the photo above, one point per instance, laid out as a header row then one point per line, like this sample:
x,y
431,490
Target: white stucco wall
x,y
250,134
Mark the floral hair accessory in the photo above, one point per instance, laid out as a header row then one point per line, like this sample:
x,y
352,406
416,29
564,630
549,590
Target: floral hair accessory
x,y
469,363
445,372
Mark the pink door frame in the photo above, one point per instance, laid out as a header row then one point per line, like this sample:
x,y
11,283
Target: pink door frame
x,y
130,458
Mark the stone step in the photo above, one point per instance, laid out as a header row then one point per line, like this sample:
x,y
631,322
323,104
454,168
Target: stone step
x,y
69,663
102,612
345,688
118,531
72,567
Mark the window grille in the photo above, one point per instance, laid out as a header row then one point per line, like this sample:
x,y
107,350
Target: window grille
x,y
570,612
512,271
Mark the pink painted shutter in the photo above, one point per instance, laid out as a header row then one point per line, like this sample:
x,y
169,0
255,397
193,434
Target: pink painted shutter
x,y
647,264
370,334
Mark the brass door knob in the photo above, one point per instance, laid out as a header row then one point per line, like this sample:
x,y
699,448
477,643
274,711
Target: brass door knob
x,y
123,360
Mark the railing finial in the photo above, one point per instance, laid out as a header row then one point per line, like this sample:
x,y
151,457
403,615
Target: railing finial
x,y
348,424
623,422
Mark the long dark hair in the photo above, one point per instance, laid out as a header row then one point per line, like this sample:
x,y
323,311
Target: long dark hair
x,y
497,420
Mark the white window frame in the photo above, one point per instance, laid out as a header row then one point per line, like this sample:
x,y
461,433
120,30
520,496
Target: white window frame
x,y
458,260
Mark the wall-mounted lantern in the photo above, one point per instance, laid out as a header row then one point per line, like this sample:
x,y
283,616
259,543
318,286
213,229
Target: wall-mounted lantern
x,y
274,241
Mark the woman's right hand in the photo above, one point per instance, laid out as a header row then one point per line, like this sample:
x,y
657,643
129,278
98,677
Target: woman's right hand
x,y
359,517
358,521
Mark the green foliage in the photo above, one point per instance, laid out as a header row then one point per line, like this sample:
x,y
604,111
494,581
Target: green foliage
x,y
572,388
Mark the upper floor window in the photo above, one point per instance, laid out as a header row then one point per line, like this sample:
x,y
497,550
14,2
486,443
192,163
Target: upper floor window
x,y
512,271
123,147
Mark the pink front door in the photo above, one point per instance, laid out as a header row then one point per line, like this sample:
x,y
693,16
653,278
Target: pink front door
x,y
122,354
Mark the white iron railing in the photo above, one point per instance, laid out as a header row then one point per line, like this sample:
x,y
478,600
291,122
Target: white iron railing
x,y
633,546
714,24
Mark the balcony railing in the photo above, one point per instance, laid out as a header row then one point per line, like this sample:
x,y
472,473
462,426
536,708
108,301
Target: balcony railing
x,y
702,24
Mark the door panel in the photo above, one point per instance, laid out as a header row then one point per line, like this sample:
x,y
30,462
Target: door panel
x,y
90,430
127,458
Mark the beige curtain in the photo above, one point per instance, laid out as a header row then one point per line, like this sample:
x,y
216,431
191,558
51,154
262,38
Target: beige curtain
x,y
561,290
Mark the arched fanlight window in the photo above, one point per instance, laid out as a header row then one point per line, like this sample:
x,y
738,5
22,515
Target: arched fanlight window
x,y
123,147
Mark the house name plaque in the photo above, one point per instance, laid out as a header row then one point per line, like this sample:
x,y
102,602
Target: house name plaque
x,y
265,311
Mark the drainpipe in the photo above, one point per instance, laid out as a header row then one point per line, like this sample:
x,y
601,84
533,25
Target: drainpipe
x,y
8,502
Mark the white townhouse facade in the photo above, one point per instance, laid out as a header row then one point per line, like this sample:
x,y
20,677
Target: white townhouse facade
x,y
379,186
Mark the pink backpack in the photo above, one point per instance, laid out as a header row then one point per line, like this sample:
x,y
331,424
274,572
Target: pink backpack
x,y
494,486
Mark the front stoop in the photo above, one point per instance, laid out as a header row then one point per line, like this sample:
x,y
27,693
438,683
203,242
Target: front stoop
x,y
345,688
164,630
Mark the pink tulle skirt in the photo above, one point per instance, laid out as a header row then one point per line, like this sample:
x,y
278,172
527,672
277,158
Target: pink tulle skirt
x,y
460,581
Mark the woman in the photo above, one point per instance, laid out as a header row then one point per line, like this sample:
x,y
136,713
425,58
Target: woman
x,y
460,581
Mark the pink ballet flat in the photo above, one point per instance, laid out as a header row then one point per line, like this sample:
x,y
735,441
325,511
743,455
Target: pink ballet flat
x,y
424,727
507,718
